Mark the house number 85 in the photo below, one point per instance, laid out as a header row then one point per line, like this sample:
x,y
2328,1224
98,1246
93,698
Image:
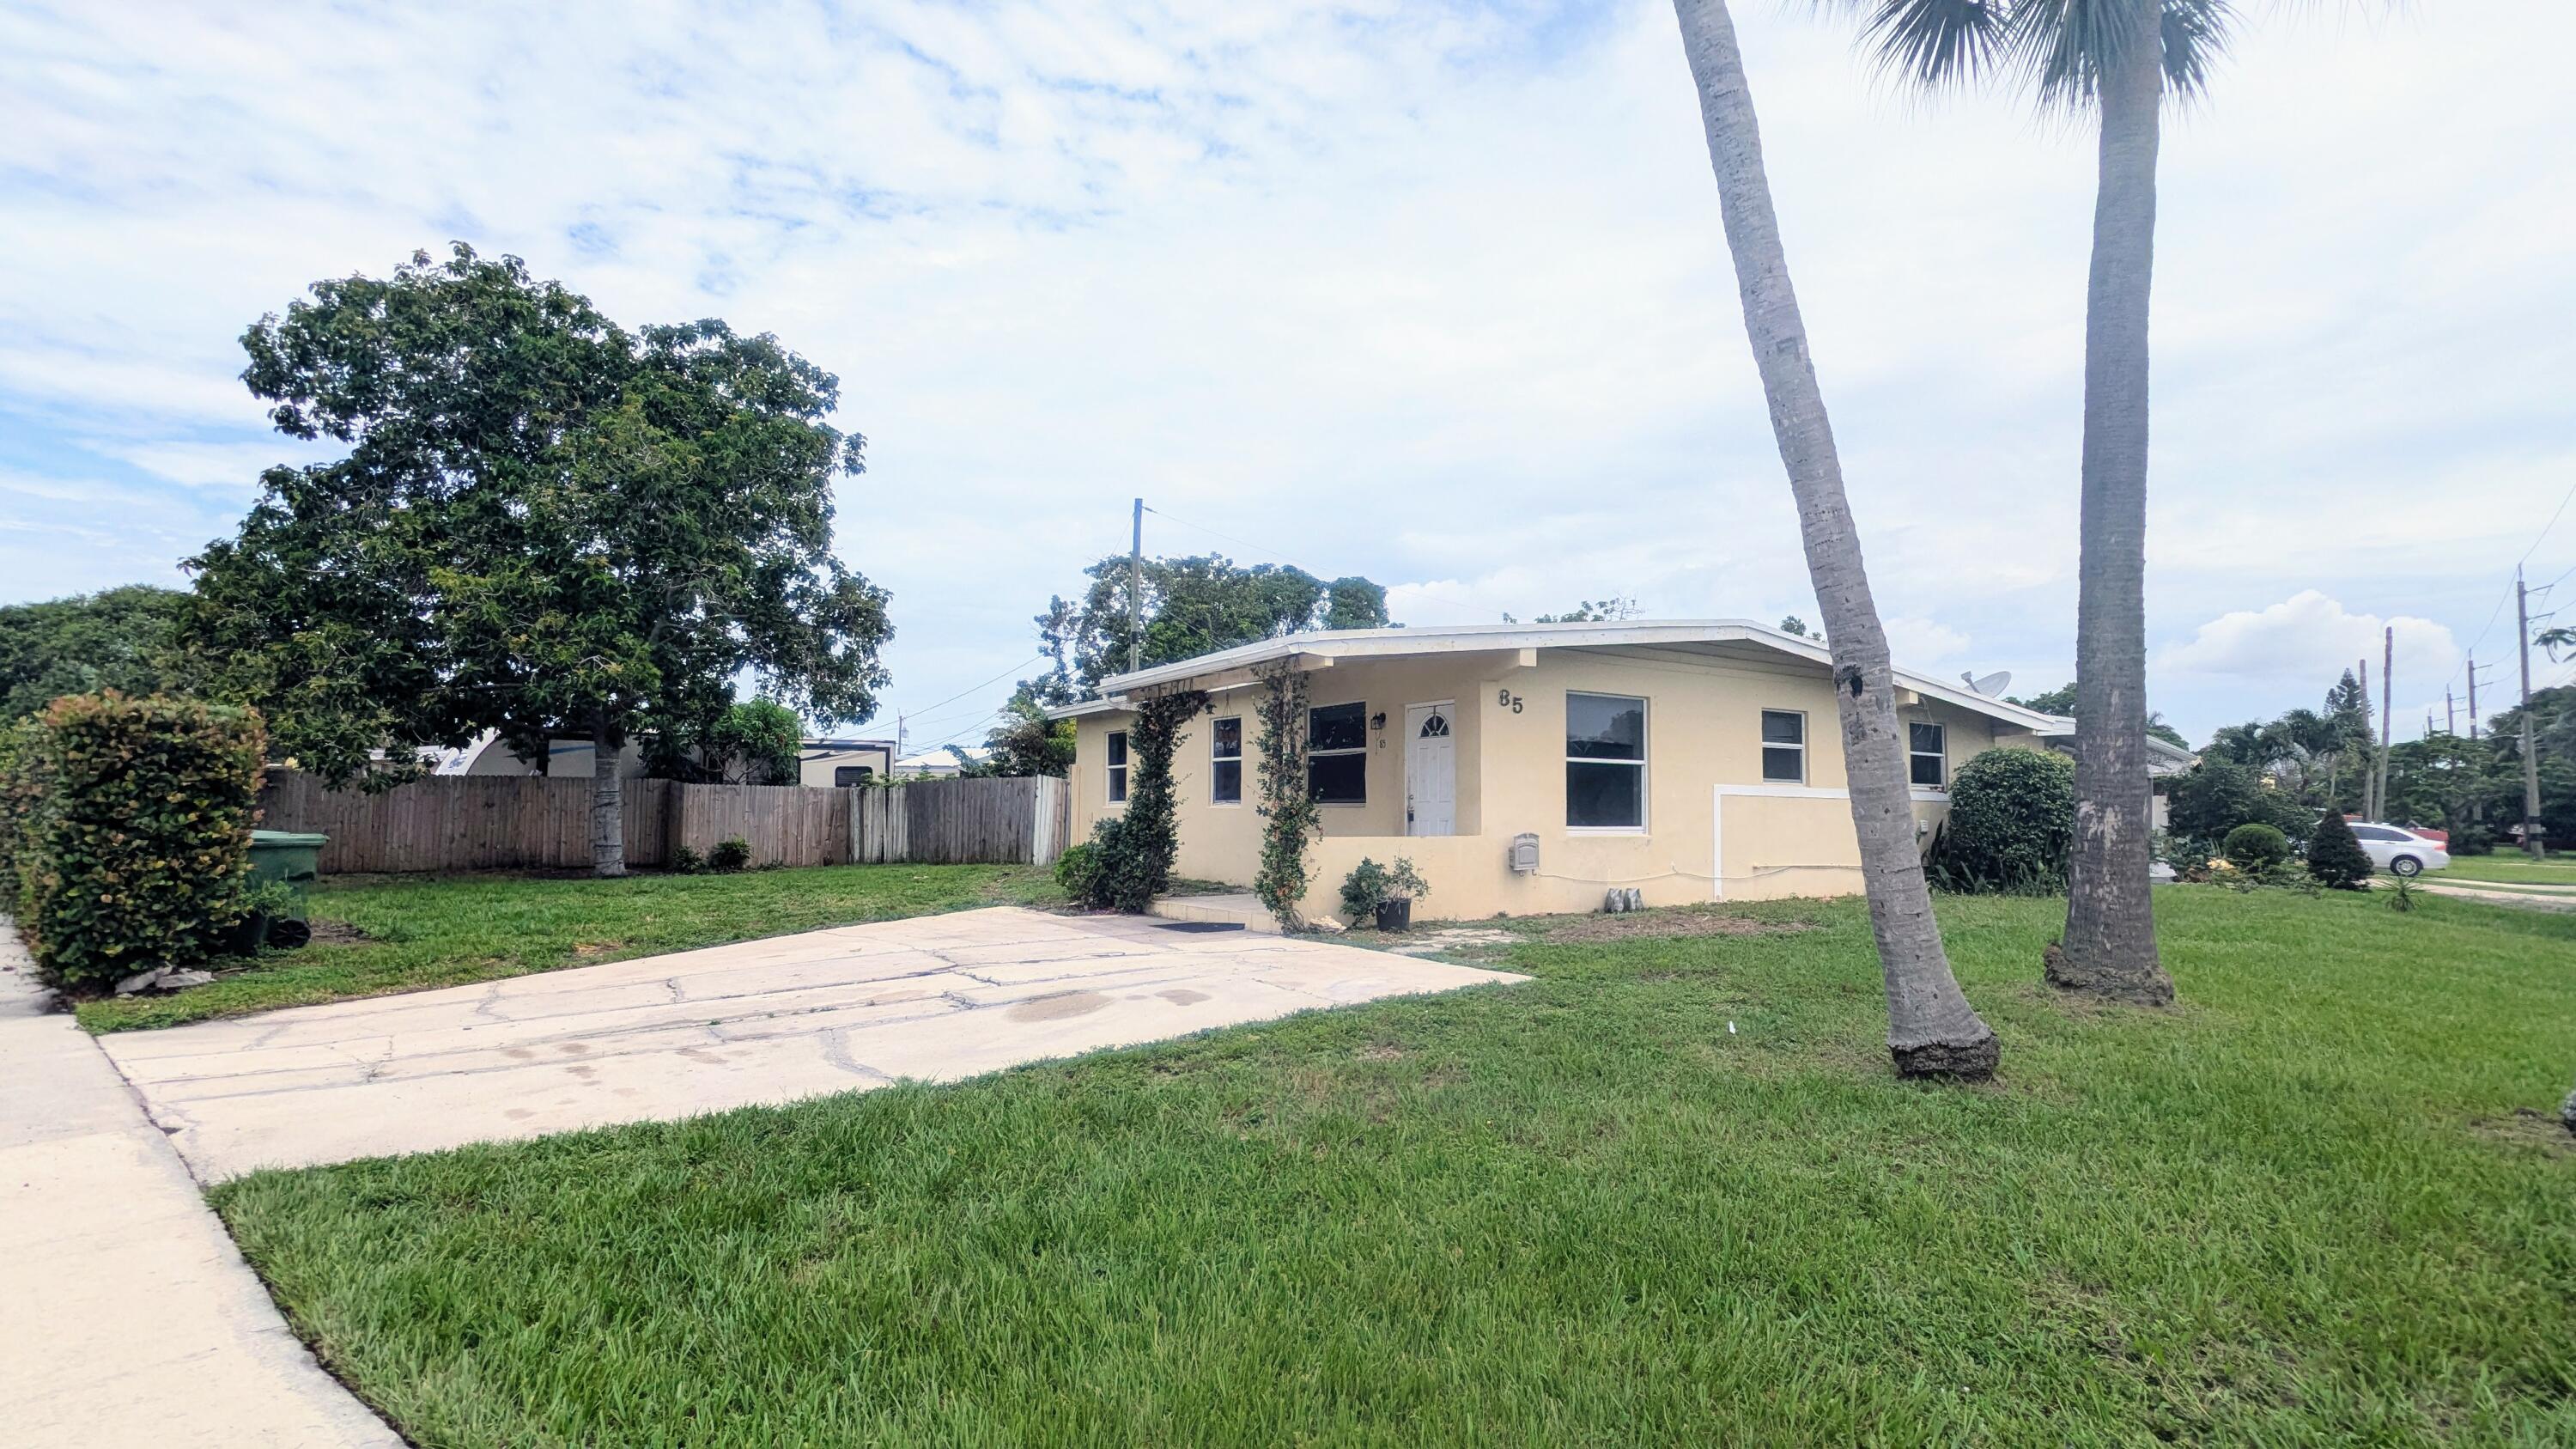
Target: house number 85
x,y
1506,699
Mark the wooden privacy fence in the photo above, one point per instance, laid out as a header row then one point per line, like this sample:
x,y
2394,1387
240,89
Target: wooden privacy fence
x,y
940,821
508,822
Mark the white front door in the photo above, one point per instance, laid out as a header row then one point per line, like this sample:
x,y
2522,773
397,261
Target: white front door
x,y
1430,770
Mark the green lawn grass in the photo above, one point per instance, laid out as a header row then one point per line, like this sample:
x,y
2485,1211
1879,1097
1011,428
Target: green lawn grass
x,y
2299,1209
2511,867
447,930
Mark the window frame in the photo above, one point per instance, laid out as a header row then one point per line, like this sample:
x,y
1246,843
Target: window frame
x,y
1764,745
1941,756
1114,763
865,773
1343,752
1645,750
1218,760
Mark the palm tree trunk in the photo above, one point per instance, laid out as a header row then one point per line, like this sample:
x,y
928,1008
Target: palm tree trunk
x,y
2109,948
607,801
1931,1029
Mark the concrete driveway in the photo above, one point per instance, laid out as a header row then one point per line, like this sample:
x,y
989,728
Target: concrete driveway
x,y
935,998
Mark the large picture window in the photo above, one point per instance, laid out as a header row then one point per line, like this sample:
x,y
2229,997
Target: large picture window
x,y
1337,754
1605,762
1927,748
1784,746
1117,766
1225,751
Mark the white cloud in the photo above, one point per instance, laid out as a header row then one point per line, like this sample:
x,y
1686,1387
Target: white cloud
x,y
1435,294
1920,643
2312,636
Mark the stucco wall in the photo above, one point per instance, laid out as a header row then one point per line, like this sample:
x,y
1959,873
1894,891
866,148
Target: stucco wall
x,y
1703,732
815,766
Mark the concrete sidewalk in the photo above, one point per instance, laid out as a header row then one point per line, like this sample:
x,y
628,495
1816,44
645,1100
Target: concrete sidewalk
x,y
132,1320
932,998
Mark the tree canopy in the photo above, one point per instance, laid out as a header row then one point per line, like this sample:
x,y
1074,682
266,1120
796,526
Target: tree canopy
x,y
1190,606
544,524
115,639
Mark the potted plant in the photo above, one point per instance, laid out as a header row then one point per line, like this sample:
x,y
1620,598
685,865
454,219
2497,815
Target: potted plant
x,y
1382,893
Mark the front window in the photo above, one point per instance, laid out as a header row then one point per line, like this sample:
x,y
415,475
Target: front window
x,y
1605,762
1225,746
1927,746
1784,746
846,776
1337,754
1117,766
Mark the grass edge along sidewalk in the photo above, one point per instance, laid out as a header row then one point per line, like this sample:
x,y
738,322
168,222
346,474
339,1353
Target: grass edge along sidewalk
x,y
1665,1191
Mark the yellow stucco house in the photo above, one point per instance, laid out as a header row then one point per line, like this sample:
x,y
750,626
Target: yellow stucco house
x,y
1530,768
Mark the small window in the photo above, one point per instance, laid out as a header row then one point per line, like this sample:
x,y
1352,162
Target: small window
x,y
1784,746
1605,762
846,776
1225,746
1337,754
1117,766
1927,746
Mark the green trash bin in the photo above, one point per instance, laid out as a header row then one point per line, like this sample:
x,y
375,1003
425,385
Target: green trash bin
x,y
294,858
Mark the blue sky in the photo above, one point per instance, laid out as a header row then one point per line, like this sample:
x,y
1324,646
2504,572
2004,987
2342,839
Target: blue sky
x,y
1431,293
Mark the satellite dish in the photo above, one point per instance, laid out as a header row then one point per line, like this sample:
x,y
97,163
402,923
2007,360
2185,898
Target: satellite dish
x,y
1990,685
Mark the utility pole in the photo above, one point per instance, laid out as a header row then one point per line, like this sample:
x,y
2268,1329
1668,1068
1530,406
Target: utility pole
x,y
1136,589
2531,837
2363,666
2387,716
2473,696
2450,714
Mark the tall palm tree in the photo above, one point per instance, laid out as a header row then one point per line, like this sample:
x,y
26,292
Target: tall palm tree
x,y
2114,59
1931,1029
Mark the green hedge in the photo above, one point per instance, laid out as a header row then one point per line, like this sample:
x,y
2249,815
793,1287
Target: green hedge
x,y
2012,819
130,833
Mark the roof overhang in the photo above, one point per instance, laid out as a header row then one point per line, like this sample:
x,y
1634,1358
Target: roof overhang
x,y
1232,668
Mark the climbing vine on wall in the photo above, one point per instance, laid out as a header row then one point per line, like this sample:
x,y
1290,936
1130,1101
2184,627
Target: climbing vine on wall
x,y
1290,818
1137,849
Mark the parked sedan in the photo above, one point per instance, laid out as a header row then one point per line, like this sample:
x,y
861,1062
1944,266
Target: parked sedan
x,y
2400,851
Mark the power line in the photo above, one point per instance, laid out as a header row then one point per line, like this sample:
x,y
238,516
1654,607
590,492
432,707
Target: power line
x,y
2554,515
987,684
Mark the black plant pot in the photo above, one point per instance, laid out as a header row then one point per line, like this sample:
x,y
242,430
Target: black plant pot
x,y
1395,915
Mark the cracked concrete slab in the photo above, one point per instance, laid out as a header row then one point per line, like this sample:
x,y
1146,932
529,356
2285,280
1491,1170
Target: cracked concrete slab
x,y
935,998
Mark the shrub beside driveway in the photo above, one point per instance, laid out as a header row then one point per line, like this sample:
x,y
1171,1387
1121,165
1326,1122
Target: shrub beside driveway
x,y
1666,1192
400,933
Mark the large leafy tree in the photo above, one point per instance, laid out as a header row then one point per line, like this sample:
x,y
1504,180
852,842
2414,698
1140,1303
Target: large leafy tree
x,y
115,639
544,524
1189,607
1932,1031
2115,60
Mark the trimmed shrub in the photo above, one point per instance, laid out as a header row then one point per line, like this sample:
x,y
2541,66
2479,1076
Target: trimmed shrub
x,y
131,821
1129,866
685,861
1371,885
2012,821
2255,848
730,854
1078,871
2335,858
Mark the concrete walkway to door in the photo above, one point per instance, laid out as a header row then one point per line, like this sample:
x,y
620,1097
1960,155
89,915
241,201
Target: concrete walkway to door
x,y
936,998
131,1318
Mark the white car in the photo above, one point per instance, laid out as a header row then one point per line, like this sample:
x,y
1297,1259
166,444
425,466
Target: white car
x,y
2400,851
